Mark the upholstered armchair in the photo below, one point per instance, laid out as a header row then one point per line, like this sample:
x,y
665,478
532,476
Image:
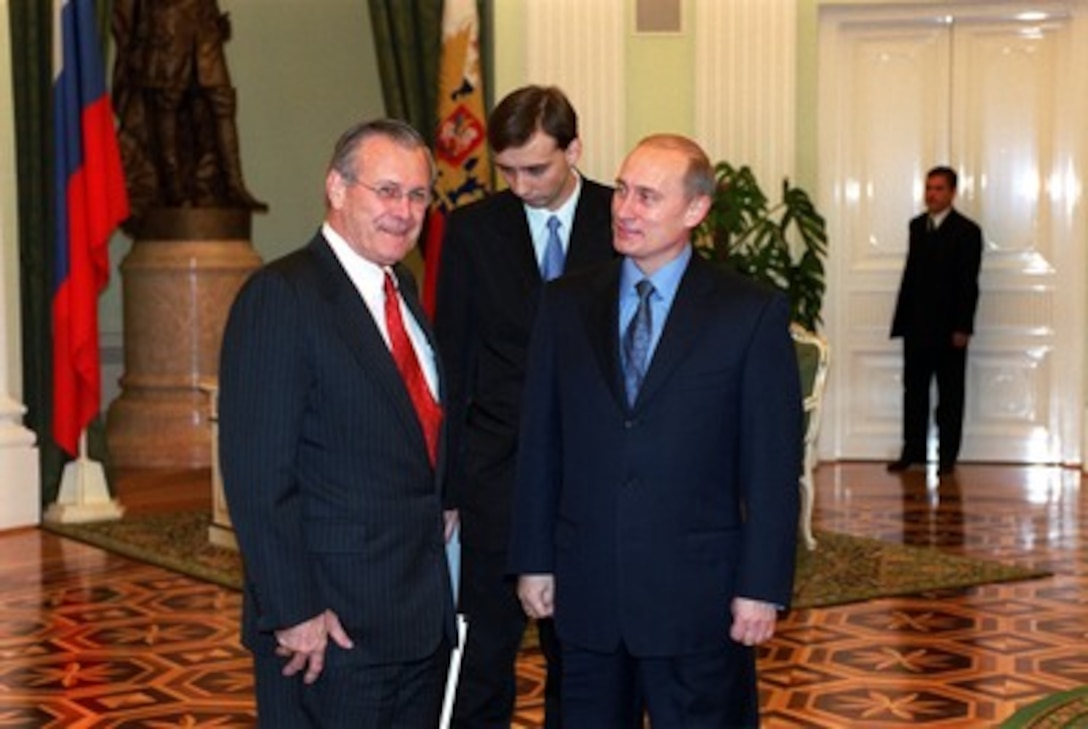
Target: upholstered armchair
x,y
812,361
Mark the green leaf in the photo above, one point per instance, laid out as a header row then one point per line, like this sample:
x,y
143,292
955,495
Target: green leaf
x,y
782,244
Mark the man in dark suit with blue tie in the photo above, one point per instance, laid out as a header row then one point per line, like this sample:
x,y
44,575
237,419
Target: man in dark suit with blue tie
x,y
935,316
331,449
656,508
495,256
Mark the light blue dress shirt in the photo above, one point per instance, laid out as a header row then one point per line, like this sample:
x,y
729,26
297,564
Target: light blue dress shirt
x,y
666,281
538,222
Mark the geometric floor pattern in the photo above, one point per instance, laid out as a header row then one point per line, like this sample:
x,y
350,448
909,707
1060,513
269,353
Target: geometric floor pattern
x,y
962,658
89,639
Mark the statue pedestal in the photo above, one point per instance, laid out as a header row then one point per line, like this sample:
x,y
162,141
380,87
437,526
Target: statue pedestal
x,y
178,282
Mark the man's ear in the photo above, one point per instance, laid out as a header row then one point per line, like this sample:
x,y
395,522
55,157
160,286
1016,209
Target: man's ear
x,y
573,152
697,210
336,188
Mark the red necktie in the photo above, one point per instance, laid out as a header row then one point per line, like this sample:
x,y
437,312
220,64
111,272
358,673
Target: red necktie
x,y
429,411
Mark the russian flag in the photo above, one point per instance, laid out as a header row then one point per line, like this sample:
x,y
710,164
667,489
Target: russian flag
x,y
90,202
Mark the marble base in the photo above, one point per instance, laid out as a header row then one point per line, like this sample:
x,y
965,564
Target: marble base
x,y
178,282
20,480
84,495
222,536
221,530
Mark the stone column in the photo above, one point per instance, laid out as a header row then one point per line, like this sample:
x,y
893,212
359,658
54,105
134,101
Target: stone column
x,y
178,282
20,478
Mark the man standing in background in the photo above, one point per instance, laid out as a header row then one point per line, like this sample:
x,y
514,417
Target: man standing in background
x,y
935,314
496,254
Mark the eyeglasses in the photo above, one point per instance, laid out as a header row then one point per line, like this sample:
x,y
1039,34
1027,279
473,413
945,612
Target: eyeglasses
x,y
388,192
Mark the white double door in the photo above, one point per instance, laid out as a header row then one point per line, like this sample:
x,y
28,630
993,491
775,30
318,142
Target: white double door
x,y
999,92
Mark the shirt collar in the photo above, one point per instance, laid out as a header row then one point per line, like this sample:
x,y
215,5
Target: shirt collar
x,y
538,217
666,280
940,217
368,277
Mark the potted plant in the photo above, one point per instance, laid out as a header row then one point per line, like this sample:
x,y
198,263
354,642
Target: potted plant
x,y
782,244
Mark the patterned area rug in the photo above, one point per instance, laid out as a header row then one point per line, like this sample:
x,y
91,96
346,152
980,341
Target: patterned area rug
x,y
845,568
1057,711
842,569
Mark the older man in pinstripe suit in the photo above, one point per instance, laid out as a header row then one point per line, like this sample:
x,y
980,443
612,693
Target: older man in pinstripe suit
x,y
330,471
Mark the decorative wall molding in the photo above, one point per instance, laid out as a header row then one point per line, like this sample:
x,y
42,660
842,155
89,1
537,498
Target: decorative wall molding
x,y
579,46
745,85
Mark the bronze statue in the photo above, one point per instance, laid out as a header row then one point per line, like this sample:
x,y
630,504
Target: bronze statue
x,y
176,106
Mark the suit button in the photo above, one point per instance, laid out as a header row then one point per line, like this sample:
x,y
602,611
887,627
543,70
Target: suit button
x,y
629,423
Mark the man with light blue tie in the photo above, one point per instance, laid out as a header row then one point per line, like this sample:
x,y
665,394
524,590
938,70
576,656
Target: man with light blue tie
x,y
496,256
656,501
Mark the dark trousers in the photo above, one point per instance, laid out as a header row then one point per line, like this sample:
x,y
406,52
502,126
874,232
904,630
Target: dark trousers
x,y
710,690
921,364
350,694
487,688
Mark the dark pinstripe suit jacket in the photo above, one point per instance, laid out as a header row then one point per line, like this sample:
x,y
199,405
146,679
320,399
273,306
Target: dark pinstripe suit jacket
x,y
324,464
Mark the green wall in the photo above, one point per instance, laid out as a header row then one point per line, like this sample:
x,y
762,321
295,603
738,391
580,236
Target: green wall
x,y
664,62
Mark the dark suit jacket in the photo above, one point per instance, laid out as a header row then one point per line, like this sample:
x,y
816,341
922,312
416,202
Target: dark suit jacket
x,y
487,296
938,293
653,518
325,469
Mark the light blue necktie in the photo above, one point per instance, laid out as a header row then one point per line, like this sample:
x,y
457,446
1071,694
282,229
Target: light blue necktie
x,y
636,342
552,264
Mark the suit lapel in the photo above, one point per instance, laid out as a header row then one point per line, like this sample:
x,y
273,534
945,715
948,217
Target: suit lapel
x,y
514,241
948,232
602,312
360,334
685,323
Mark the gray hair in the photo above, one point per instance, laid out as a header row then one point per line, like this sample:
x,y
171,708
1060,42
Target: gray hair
x,y
400,132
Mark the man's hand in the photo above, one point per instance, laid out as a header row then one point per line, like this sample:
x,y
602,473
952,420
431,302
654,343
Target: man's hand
x,y
537,595
304,644
753,621
960,339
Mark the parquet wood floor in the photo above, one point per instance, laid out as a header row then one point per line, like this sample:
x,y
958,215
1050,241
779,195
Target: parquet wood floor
x,y
93,640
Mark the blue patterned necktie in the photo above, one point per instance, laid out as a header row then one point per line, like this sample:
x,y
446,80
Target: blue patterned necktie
x,y
552,264
636,342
